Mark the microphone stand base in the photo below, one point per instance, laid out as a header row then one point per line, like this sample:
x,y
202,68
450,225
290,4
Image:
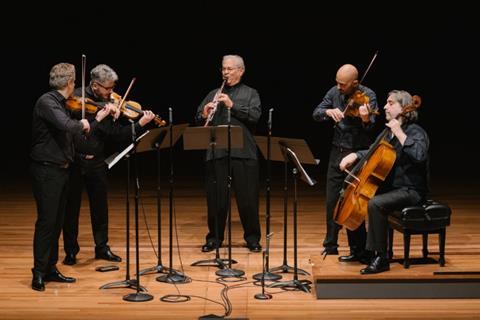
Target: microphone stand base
x,y
267,276
138,297
263,296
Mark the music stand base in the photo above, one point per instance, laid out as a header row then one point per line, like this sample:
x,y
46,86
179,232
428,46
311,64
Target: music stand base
x,y
173,278
229,273
138,297
285,268
159,268
132,284
220,263
263,296
267,276
303,285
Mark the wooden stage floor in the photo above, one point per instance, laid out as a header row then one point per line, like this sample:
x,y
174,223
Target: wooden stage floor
x,y
84,300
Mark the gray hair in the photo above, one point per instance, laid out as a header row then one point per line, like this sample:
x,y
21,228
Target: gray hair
x,y
103,73
60,74
405,99
238,60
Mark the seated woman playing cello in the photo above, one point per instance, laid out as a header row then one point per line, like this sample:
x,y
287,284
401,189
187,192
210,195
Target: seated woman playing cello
x,y
405,184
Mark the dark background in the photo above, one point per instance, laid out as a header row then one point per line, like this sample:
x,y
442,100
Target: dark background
x,y
291,52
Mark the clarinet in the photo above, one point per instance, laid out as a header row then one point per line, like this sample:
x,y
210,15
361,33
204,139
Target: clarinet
x,y
215,103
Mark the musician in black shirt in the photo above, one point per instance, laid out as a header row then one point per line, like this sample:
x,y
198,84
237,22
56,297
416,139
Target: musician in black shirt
x,y
51,154
244,104
407,182
351,133
89,168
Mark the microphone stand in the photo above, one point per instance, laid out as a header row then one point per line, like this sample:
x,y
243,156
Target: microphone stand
x,y
172,276
263,295
266,274
137,296
228,272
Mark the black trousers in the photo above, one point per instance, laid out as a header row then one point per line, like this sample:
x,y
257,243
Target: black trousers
x,y
379,207
335,178
245,183
50,187
95,181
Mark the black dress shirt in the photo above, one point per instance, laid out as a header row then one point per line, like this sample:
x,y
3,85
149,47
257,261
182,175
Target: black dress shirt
x,y
351,132
245,113
52,130
410,169
94,142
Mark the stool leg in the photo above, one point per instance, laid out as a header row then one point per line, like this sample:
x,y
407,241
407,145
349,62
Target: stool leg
x,y
441,240
406,249
390,243
425,245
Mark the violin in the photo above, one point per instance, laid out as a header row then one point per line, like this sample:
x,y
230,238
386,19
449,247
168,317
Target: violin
x,y
133,109
74,104
357,99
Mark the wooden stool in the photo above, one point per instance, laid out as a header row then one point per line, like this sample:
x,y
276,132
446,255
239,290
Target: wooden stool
x,y
431,217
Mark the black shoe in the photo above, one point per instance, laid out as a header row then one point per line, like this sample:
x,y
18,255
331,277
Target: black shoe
x,y
70,259
56,276
38,282
364,257
330,250
210,246
107,254
254,247
378,264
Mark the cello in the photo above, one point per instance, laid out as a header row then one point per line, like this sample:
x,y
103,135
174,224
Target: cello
x,y
363,180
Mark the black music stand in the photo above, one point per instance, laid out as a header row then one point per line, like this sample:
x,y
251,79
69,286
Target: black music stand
x,y
213,138
157,139
305,156
289,155
138,296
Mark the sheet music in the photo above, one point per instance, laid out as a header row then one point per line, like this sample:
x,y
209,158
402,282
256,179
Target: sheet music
x,y
114,158
303,174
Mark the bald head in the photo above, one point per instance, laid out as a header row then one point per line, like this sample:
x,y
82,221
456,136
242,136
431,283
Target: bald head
x,y
347,76
347,73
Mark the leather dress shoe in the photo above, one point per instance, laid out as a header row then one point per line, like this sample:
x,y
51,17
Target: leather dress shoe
x,y
107,254
330,250
378,264
70,259
254,247
209,246
364,257
56,276
38,282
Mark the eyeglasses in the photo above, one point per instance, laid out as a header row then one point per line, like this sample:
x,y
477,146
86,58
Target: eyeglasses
x,y
106,88
229,69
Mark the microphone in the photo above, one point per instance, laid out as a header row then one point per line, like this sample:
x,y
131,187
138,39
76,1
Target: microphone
x,y
228,115
270,119
170,115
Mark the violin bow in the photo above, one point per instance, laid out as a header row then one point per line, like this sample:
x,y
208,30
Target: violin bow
x,y
84,60
369,66
126,92
363,77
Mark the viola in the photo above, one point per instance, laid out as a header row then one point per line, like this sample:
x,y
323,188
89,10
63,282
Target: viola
x,y
133,109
